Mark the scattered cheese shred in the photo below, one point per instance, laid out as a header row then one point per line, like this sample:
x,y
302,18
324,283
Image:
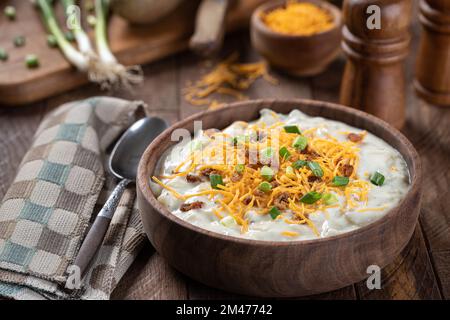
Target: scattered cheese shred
x,y
228,78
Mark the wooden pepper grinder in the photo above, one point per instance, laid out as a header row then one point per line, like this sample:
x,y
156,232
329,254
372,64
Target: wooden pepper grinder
x,y
376,40
433,60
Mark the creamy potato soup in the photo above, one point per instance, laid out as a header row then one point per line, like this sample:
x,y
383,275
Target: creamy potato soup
x,y
281,178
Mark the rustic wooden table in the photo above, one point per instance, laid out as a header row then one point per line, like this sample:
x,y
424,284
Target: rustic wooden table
x,y
422,271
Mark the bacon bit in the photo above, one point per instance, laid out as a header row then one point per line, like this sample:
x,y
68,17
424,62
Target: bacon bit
x,y
258,193
354,137
192,178
247,200
282,201
254,166
310,154
208,171
312,179
190,206
236,177
347,170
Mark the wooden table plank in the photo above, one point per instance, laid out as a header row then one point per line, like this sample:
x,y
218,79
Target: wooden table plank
x,y
420,272
17,129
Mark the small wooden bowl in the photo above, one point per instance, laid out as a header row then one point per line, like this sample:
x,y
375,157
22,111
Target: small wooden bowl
x,y
271,268
297,55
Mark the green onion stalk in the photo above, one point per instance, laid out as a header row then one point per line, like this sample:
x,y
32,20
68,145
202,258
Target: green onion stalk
x,y
83,61
83,41
117,73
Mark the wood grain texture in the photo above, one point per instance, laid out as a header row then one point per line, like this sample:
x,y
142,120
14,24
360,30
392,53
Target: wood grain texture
x,y
150,277
278,269
409,277
131,45
427,127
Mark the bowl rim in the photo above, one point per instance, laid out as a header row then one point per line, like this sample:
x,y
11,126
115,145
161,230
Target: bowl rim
x,y
333,10
143,179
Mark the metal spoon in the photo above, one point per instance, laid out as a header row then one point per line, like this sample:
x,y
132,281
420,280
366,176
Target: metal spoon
x,y
123,164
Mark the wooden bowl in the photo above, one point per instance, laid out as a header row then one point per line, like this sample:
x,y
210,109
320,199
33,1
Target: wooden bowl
x,y
271,268
297,55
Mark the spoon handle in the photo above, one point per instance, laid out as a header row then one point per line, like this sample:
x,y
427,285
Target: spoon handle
x,y
97,232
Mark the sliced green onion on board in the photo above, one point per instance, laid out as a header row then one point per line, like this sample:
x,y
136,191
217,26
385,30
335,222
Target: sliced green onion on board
x,y
51,41
215,180
300,143
311,197
377,178
31,61
339,181
299,164
3,55
315,168
284,153
19,41
274,212
292,129
329,199
10,12
267,173
265,186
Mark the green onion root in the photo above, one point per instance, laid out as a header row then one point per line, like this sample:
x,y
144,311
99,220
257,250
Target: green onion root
x,y
118,74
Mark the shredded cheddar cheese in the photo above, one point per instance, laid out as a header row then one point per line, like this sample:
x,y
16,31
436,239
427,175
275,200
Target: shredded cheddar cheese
x,y
298,18
228,78
240,191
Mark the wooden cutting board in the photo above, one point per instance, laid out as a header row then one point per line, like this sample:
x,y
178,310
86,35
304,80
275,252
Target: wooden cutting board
x,y
131,45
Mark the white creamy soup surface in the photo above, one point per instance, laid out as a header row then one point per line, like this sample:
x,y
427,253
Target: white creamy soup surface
x,y
305,200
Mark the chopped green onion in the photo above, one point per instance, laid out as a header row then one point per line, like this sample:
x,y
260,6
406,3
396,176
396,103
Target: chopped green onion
x,y
311,197
299,164
339,181
329,199
377,179
266,154
32,61
265,186
284,153
10,12
239,139
239,168
51,41
274,212
267,173
195,145
290,172
228,221
315,168
19,41
91,20
69,36
3,55
300,143
216,179
292,129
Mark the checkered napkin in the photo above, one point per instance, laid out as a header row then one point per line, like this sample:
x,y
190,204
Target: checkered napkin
x,y
60,186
